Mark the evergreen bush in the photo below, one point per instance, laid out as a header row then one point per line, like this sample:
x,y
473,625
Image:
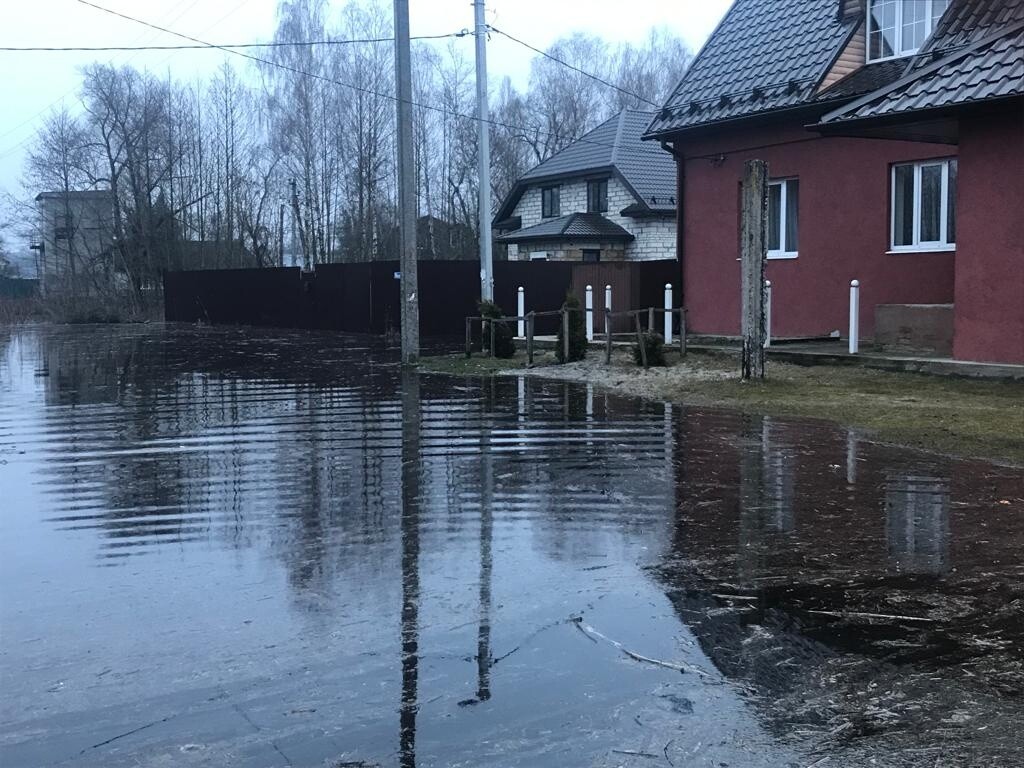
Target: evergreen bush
x,y
654,343
504,339
577,332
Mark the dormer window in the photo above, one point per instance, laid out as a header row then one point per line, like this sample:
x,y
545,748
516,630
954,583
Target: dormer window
x,y
900,27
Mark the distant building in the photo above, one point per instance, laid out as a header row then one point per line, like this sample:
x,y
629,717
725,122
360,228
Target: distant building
x,y
606,197
76,235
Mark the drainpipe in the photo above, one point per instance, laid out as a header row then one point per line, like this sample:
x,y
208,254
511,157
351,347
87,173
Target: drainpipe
x,y
680,187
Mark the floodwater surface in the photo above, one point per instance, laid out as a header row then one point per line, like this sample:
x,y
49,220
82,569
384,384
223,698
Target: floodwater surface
x,y
256,548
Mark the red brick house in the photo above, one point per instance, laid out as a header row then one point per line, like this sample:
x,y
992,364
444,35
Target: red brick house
x,y
894,134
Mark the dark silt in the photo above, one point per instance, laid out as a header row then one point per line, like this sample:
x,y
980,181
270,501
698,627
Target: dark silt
x,y
239,547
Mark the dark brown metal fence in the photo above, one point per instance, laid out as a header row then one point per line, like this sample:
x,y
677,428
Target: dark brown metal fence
x,y
364,298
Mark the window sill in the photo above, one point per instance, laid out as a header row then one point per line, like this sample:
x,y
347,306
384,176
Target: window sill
x,y
781,256
922,249
869,60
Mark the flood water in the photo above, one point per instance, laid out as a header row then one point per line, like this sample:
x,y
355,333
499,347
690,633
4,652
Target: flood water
x,y
256,548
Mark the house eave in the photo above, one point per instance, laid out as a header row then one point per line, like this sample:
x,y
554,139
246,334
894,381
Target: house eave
x,y
566,239
755,119
937,125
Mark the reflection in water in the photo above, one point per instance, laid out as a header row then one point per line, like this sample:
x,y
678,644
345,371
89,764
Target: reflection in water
x,y
917,523
766,494
851,457
410,517
247,501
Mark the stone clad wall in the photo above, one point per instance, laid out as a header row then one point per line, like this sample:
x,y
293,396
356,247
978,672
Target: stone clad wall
x,y
655,237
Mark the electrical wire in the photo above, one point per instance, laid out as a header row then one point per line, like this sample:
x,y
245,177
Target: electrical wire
x,y
352,86
583,72
222,46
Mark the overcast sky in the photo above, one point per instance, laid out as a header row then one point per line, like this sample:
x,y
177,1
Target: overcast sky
x,y
34,83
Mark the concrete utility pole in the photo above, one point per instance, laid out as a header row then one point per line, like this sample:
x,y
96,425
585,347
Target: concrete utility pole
x,y
406,189
280,235
484,116
753,238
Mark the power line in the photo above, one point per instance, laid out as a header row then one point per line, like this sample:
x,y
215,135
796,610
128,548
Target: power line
x,y
11,150
370,92
583,72
361,89
221,46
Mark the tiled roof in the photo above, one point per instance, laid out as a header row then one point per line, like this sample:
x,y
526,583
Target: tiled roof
x,y
575,226
613,145
868,78
765,55
976,54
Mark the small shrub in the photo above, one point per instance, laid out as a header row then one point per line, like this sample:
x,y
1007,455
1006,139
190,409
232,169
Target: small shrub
x,y
577,333
504,339
654,343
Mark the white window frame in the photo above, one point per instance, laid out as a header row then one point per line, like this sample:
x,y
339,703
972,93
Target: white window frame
x,y
922,246
900,6
783,212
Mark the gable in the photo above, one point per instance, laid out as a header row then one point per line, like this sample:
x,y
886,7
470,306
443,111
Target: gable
x,y
613,148
852,58
765,55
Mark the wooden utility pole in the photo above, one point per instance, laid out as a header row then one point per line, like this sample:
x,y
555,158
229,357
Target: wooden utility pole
x,y
484,154
752,260
410,307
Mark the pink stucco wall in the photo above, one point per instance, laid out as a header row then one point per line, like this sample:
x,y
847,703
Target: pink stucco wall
x,y
990,253
844,231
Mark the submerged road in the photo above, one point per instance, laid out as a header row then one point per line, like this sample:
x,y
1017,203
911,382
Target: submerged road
x,y
257,548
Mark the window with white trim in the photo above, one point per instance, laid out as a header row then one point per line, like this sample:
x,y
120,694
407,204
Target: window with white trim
x,y
924,205
783,218
900,27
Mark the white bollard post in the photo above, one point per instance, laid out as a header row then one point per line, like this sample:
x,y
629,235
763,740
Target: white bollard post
x,y
854,317
608,308
590,313
668,313
521,311
767,313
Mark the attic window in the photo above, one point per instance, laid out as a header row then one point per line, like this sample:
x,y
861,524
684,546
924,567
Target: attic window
x,y
550,202
898,28
597,196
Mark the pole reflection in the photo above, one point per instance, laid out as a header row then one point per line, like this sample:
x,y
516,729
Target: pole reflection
x,y
410,518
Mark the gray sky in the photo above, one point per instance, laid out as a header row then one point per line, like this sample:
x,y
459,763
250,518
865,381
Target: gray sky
x,y
34,83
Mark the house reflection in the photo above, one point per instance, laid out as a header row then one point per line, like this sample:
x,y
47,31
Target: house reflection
x,y
917,523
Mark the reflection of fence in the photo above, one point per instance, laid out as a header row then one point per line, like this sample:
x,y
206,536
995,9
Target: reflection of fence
x,y
488,328
364,298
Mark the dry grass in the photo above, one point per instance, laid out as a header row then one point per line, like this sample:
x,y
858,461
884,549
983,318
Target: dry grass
x,y
962,417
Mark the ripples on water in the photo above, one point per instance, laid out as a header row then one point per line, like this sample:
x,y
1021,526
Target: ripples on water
x,y
242,547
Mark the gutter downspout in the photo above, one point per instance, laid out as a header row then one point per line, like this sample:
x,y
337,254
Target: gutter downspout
x,y
680,188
